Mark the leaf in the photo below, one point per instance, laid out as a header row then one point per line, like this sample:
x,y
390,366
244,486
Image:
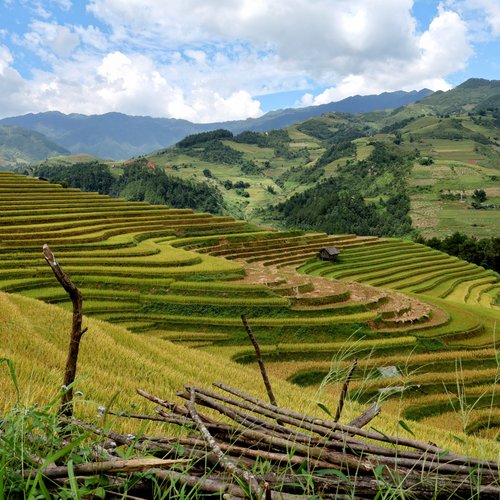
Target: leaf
x,y
456,438
404,425
13,376
331,472
72,480
380,432
54,457
378,471
325,409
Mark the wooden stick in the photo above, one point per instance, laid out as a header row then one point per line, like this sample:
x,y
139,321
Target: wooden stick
x,y
173,407
366,417
343,394
262,367
225,462
353,431
66,408
93,468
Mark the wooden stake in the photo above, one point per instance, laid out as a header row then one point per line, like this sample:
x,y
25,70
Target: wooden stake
x,y
66,408
343,394
262,367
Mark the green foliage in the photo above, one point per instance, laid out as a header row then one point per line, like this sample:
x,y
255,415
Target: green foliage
x,y
397,126
484,252
337,205
341,132
479,195
92,176
336,151
271,139
141,183
216,152
138,183
453,129
249,167
196,139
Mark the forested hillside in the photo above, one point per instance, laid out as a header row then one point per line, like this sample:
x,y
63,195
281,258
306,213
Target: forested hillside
x,y
137,182
20,146
367,197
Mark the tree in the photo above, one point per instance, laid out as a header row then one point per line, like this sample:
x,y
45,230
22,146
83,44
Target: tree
x,y
479,195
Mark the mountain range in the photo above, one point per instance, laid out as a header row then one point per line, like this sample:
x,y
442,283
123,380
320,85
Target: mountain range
x,y
118,136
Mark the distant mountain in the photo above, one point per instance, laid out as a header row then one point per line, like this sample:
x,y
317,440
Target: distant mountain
x,y
119,136
19,145
468,96
112,135
354,105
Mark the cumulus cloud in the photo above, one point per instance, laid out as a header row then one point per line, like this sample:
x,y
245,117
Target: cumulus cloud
x,y
206,61
118,82
51,39
11,85
443,49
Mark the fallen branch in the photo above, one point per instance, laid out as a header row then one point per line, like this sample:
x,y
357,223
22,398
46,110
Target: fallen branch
x,y
366,417
113,466
227,464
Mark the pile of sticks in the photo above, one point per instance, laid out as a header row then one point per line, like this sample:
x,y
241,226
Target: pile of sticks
x,y
259,450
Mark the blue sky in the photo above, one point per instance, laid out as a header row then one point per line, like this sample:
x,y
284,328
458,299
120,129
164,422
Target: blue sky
x,y
214,60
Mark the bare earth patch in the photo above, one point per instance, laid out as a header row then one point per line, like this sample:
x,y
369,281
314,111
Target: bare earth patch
x,y
398,310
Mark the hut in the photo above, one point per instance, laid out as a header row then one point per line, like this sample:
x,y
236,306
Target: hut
x,y
329,253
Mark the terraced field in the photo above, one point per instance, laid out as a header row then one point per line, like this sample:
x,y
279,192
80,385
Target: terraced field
x,y
177,275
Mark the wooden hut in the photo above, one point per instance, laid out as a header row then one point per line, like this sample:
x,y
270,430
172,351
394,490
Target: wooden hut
x,y
329,253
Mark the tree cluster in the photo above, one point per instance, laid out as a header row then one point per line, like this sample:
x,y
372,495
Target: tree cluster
x,y
85,176
484,252
338,205
138,183
195,139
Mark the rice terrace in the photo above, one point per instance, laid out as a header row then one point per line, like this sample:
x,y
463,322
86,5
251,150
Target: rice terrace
x,y
172,275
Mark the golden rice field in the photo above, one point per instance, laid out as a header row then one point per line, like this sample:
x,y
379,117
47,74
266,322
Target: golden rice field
x,y
163,283
114,362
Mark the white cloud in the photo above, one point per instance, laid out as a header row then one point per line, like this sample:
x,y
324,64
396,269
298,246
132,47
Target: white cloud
x,y
132,84
11,85
488,11
204,60
50,39
441,50
92,36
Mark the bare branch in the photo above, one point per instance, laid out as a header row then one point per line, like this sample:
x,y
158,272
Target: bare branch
x,y
66,408
343,394
262,367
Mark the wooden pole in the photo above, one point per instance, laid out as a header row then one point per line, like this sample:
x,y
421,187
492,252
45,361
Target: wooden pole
x,y
66,408
343,394
262,367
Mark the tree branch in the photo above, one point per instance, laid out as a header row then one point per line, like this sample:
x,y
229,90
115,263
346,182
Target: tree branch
x,y
66,408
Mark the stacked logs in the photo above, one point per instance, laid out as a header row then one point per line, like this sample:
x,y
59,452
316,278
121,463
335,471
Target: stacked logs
x,y
260,450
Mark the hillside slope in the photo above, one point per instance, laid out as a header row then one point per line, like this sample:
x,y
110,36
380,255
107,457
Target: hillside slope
x,y
21,146
171,274
450,156
114,362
